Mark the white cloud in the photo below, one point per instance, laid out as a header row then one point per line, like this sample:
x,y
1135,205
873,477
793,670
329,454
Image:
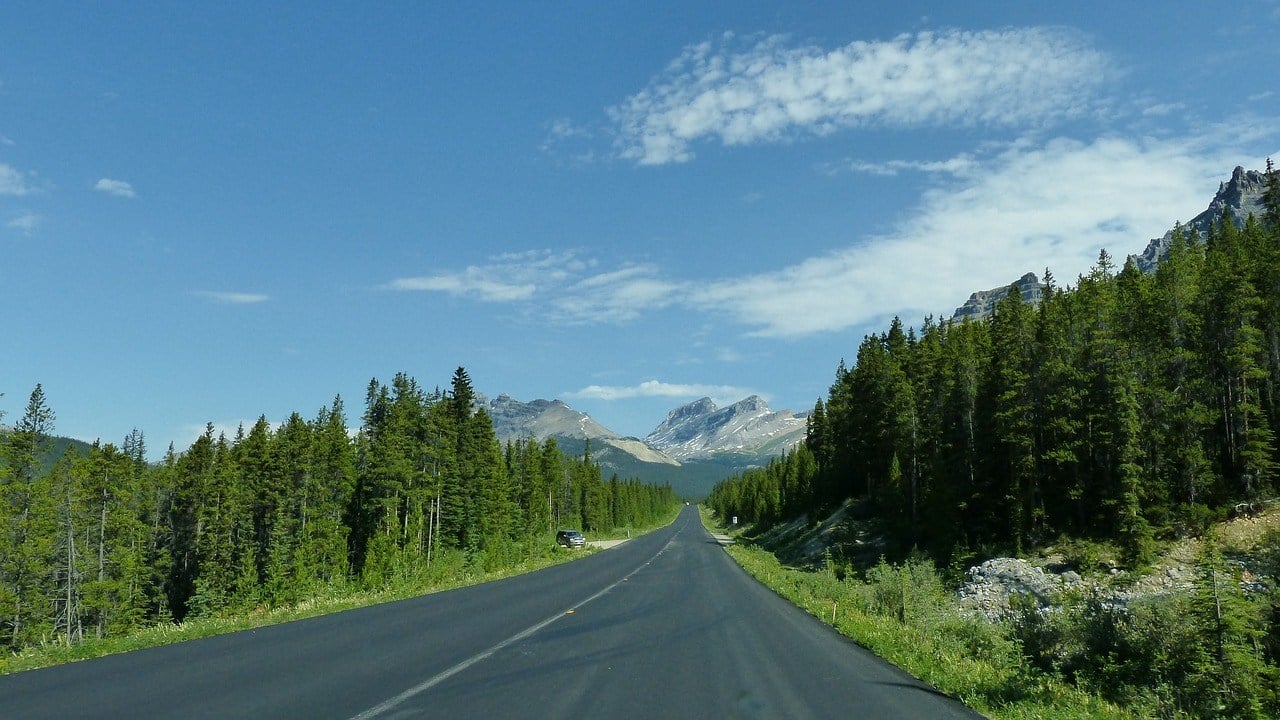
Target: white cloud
x,y
565,282
1162,109
656,388
769,91
471,281
951,166
25,222
988,217
565,138
1023,208
616,296
13,181
188,434
234,298
506,278
119,188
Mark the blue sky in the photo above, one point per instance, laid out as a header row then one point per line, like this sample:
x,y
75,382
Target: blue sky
x,y
209,214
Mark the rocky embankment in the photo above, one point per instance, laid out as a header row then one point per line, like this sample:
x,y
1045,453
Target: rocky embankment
x,y
993,588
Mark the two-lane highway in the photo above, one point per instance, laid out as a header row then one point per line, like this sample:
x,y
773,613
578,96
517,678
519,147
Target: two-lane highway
x,y
663,626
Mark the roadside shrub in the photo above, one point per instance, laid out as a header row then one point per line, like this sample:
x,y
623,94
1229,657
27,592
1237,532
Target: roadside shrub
x,y
912,593
1186,656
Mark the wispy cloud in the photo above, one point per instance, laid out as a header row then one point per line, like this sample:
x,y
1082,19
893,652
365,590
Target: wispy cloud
x,y
770,91
952,166
566,138
657,388
25,222
988,217
506,278
1162,109
1025,207
233,298
473,281
617,295
119,188
13,181
566,285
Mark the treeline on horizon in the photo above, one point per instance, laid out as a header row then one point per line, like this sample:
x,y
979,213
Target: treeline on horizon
x,y
104,542
1129,407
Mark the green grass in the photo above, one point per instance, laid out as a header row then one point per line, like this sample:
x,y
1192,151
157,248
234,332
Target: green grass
x,y
915,626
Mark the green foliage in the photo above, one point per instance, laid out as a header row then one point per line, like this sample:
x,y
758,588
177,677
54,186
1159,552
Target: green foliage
x,y
902,614
101,544
1127,410
1194,656
912,592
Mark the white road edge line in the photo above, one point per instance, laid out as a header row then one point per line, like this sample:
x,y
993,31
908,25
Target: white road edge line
x,y
434,680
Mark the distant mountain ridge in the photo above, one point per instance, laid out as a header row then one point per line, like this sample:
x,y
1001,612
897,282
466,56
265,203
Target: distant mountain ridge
x,y
542,419
701,431
697,445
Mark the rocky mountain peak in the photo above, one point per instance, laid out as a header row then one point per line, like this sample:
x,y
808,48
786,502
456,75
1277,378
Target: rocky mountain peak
x,y
752,404
983,302
694,409
1242,195
748,427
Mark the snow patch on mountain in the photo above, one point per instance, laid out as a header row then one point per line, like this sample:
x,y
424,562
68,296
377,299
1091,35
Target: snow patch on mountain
x,y
700,430
542,419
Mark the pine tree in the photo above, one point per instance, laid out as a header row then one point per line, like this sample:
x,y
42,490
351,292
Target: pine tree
x,y
323,542
1059,391
1237,369
1014,496
1181,369
1230,678
1271,198
26,507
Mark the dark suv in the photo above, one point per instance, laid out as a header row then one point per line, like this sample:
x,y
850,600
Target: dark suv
x,y
570,538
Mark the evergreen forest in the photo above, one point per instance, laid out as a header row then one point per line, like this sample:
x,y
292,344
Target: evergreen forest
x,y
1127,410
103,542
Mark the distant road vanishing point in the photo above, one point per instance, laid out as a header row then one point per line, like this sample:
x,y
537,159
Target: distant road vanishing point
x,y
663,626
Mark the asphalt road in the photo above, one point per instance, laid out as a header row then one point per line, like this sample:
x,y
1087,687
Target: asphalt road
x,y
663,626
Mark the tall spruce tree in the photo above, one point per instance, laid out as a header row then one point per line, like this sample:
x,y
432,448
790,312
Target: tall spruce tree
x,y
1013,496
29,528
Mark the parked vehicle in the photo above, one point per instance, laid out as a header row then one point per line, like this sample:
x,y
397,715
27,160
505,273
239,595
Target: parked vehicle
x,y
570,539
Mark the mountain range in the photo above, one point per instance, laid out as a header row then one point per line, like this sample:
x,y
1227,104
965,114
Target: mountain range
x,y
697,445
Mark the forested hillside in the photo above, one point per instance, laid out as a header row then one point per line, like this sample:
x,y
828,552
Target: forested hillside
x,y
1126,406
1128,410
104,542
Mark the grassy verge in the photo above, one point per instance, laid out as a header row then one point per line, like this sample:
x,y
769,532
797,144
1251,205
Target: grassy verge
x,y
904,615
334,599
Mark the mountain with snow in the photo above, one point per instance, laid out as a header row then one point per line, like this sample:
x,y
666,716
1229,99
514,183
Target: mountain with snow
x,y
748,428
572,430
697,445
